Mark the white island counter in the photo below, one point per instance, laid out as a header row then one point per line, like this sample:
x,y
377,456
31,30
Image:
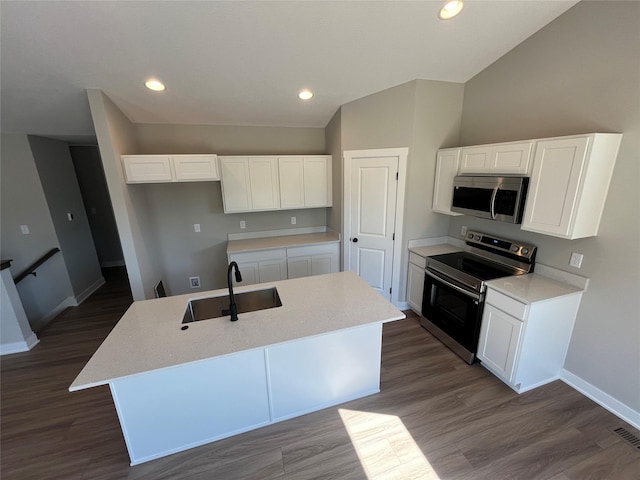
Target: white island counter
x,y
176,389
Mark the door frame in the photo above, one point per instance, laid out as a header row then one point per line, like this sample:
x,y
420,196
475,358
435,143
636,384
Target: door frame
x,y
402,153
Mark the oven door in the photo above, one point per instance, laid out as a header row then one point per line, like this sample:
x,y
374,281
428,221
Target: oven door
x,y
453,309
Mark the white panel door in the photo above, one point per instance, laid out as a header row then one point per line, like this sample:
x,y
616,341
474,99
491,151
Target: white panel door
x,y
500,335
372,220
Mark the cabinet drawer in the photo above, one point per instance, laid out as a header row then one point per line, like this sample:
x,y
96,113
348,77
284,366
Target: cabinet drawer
x,y
327,248
507,304
258,256
417,260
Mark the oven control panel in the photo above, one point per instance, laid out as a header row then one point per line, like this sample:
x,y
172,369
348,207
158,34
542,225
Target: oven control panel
x,y
492,243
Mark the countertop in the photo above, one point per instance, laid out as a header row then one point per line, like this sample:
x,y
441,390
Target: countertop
x,y
532,288
268,243
435,250
148,337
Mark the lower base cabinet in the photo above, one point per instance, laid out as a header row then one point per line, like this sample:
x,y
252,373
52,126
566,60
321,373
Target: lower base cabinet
x,y
415,281
262,266
525,344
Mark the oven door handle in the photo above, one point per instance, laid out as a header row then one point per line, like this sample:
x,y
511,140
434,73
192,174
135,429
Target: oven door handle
x,y
475,296
493,202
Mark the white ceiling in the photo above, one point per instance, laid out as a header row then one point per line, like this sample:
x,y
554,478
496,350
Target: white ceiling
x,y
238,62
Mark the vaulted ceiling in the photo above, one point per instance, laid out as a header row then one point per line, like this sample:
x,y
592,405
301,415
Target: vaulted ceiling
x,y
238,62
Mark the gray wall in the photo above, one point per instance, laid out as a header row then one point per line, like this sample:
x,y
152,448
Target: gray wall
x,y
174,208
333,142
579,74
424,116
60,185
97,204
22,202
116,137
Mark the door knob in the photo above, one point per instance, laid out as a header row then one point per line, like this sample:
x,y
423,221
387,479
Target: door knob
x,y
355,240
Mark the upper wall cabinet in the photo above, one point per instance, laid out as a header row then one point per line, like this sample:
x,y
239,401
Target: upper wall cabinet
x,y
170,168
569,184
305,182
250,184
447,164
500,158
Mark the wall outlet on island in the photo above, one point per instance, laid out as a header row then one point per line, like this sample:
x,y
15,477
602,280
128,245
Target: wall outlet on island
x,y
194,282
463,230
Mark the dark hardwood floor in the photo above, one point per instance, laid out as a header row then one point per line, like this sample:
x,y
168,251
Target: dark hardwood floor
x,y
435,418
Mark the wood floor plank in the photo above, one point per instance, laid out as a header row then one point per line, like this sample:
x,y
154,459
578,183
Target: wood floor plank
x,y
435,418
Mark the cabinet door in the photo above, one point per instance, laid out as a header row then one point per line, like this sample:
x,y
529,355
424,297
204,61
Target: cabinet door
x,y
415,287
317,182
196,168
447,163
272,271
500,336
147,168
292,185
554,186
299,267
323,264
236,185
476,159
249,271
512,158
265,190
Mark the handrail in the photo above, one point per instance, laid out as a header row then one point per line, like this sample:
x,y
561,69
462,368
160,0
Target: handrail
x,y
31,269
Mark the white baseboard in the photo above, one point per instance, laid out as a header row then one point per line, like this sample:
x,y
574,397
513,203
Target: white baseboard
x,y
17,347
603,399
57,310
89,290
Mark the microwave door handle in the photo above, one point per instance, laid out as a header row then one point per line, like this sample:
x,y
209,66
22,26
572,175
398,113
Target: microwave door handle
x,y
493,202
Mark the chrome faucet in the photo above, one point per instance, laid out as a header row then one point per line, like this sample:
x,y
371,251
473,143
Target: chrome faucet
x,y
233,308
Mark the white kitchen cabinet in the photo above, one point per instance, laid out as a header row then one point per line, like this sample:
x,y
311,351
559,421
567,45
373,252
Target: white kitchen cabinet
x,y
305,182
261,266
525,344
569,184
447,164
415,281
496,159
147,168
250,184
195,168
170,168
313,260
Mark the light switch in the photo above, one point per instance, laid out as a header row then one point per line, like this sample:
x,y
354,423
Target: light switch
x,y
70,217
196,227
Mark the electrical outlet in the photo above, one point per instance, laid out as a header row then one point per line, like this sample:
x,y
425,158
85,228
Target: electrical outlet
x,y
293,220
576,259
194,282
196,227
243,224
463,230
24,229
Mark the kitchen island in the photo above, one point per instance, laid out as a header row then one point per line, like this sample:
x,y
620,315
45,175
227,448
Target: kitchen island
x,y
175,389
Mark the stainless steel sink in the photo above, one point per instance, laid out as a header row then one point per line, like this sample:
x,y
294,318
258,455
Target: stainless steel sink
x,y
211,307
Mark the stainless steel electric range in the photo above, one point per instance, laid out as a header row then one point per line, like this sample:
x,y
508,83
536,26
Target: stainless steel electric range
x,y
454,287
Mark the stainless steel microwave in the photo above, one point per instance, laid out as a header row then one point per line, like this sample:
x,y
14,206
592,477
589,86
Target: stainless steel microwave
x,y
495,198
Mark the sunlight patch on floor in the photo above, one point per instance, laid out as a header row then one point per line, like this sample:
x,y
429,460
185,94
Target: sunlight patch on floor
x,y
385,447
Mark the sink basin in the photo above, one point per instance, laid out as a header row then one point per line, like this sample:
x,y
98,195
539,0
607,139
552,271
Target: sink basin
x,y
211,307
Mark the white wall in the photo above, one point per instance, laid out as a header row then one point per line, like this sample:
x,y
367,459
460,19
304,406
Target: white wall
x,y
22,202
579,74
60,185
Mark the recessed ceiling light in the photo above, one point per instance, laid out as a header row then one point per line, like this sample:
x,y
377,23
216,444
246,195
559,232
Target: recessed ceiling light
x,y
155,85
451,9
305,94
